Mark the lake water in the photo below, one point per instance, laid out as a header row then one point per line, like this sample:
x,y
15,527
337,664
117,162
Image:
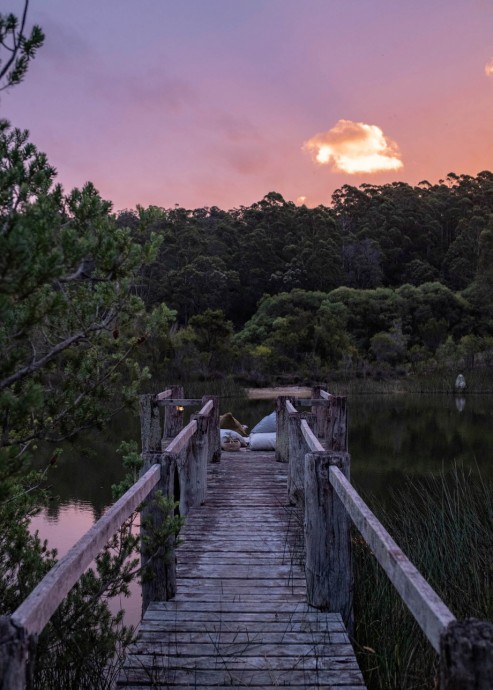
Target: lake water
x,y
390,437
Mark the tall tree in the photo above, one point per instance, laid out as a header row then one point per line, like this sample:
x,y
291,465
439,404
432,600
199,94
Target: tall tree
x,y
69,326
69,319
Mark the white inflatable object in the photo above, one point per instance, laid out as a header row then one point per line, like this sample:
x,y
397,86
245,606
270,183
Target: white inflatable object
x,y
265,441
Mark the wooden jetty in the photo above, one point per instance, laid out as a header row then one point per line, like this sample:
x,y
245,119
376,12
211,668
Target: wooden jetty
x,y
239,617
243,602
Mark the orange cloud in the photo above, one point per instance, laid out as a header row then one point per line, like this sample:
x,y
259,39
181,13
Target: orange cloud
x,y
488,68
354,147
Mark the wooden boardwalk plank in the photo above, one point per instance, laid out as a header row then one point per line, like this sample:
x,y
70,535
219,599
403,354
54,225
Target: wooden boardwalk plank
x,y
239,618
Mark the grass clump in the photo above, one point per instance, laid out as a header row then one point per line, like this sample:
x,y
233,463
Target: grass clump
x,y
444,524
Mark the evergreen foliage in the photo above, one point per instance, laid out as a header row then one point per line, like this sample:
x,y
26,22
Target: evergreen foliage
x,y
408,267
20,48
70,327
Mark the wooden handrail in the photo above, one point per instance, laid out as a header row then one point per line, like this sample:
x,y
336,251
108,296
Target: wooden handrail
x,y
35,611
311,441
290,407
180,440
207,408
165,394
430,612
178,402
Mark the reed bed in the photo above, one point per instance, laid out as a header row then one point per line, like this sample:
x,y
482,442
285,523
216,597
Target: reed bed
x,y
445,525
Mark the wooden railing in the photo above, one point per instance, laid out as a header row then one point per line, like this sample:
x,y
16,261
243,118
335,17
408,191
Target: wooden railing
x,y
175,458
183,461
315,446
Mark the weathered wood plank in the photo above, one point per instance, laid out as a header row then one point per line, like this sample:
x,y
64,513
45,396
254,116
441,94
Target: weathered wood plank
x,y
196,678
428,609
240,615
298,613
265,686
179,402
268,637
190,625
312,441
307,662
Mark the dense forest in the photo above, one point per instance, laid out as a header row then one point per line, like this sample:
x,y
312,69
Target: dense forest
x,y
388,280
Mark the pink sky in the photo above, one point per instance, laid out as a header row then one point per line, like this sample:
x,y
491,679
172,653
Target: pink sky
x,y
214,102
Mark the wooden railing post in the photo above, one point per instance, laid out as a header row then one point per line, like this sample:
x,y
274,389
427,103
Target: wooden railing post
x,y
321,411
196,462
336,430
297,449
173,416
202,448
213,435
158,560
466,655
14,656
282,430
150,424
328,561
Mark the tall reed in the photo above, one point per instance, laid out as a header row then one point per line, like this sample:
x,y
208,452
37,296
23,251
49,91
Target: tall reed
x,y
444,524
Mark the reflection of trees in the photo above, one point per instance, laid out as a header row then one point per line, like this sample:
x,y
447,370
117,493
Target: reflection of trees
x,y
420,434
89,466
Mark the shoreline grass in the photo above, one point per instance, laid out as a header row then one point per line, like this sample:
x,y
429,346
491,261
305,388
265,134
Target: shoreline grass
x,y
444,524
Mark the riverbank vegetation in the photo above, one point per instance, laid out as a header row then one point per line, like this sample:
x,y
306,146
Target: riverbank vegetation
x,y
444,524
391,281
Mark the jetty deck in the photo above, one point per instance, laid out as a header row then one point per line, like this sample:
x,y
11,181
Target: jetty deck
x,y
240,618
266,552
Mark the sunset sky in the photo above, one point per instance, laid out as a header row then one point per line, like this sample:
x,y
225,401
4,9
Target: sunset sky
x,y
218,102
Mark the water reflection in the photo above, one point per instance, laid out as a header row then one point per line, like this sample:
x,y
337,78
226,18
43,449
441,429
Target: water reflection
x,y
460,404
72,521
387,434
89,466
396,436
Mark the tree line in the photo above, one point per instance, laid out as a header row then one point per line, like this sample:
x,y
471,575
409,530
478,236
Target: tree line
x,y
384,280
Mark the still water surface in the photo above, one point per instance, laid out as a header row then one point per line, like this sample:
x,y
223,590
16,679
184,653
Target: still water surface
x,y
390,437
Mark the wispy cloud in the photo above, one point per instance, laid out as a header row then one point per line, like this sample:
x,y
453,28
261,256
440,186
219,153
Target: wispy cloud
x,y
488,68
355,147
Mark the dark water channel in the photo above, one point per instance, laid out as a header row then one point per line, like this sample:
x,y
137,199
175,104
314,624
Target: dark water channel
x,y
390,437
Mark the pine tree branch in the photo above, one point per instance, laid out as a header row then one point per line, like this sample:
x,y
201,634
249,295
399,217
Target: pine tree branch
x,y
16,45
37,364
